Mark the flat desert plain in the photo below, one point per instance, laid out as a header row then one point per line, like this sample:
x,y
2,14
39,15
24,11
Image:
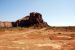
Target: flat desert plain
x,y
36,39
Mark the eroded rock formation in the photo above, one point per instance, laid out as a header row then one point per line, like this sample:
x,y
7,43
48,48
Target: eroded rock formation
x,y
34,19
5,24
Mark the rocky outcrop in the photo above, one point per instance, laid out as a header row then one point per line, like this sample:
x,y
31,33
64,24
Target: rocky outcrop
x,y
5,24
34,19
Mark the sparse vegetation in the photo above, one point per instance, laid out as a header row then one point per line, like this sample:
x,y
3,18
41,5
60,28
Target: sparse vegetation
x,y
43,38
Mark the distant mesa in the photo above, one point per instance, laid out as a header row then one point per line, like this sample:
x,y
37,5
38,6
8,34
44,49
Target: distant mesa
x,y
5,24
34,19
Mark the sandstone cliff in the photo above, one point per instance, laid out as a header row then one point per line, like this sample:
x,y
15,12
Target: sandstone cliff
x,y
34,19
5,24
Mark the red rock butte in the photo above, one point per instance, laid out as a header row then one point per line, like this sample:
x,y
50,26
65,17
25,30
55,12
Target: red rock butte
x,y
34,19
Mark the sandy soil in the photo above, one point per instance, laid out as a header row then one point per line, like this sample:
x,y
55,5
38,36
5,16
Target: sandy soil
x,y
36,39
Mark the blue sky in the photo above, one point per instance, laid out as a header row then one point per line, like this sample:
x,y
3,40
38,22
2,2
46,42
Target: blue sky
x,y
54,12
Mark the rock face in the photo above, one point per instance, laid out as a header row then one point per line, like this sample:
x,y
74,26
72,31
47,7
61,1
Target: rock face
x,y
34,19
5,24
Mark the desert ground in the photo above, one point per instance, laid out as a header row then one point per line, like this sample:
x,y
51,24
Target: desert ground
x,y
37,39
